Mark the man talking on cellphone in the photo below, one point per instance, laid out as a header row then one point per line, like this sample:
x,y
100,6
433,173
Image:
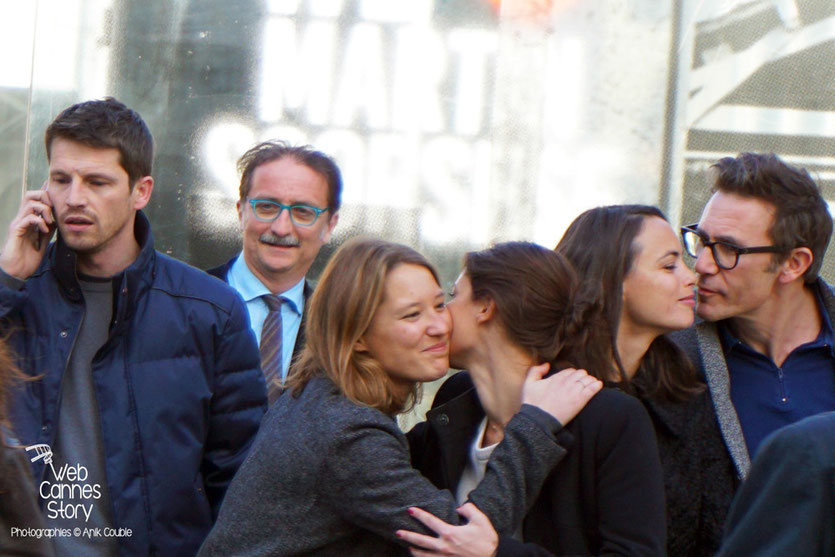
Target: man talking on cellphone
x,y
146,382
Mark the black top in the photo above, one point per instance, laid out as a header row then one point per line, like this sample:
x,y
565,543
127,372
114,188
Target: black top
x,y
699,476
606,497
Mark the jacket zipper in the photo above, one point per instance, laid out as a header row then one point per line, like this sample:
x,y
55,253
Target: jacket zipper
x,y
57,412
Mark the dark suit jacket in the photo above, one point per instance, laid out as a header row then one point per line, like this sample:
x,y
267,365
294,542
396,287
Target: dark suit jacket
x,y
221,272
787,504
606,497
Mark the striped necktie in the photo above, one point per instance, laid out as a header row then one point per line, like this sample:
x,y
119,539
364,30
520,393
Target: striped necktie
x,y
271,341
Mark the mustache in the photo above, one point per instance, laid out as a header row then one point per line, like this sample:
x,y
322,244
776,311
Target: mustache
x,y
274,240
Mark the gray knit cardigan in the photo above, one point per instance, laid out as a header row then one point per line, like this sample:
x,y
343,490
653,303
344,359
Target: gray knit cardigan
x,y
326,476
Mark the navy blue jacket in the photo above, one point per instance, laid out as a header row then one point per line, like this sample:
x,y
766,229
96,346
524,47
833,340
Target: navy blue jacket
x,y
787,504
178,385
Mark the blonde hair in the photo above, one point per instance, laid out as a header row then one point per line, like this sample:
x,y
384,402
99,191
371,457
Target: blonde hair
x,y
341,309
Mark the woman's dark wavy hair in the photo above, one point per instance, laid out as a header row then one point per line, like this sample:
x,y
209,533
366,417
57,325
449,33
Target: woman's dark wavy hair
x,y
600,243
541,304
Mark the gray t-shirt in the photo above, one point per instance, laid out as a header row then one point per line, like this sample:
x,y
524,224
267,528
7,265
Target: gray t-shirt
x,y
82,500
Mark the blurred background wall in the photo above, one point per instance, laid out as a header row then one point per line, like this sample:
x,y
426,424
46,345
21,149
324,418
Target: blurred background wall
x,y
456,123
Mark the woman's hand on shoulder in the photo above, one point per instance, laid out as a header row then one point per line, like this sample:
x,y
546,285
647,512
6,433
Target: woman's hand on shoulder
x,y
563,394
476,538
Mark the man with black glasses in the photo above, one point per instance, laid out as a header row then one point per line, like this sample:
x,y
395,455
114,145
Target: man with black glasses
x,y
766,342
288,206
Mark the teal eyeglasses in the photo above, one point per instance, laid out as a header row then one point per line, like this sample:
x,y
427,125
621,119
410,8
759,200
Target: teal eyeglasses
x,y
300,214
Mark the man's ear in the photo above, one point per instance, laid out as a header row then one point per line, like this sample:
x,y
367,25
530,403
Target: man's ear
x,y
486,310
326,233
142,192
798,261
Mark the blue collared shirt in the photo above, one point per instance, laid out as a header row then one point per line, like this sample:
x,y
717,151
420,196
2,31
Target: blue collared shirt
x,y
251,289
768,397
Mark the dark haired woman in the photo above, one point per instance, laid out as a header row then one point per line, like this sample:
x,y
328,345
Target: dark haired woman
x,y
329,472
515,305
648,292
18,499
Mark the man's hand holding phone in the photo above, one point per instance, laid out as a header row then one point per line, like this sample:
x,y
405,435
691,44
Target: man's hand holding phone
x,y
29,234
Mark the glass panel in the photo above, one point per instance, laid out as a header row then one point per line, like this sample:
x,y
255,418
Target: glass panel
x,y
455,122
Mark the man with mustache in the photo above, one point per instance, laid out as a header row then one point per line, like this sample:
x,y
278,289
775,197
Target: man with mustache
x,y
288,206
145,388
766,342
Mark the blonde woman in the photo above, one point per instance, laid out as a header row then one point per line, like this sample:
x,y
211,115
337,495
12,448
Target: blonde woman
x,y
329,472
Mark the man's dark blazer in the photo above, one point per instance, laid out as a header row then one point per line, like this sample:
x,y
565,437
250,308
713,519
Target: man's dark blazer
x,y
787,504
221,272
